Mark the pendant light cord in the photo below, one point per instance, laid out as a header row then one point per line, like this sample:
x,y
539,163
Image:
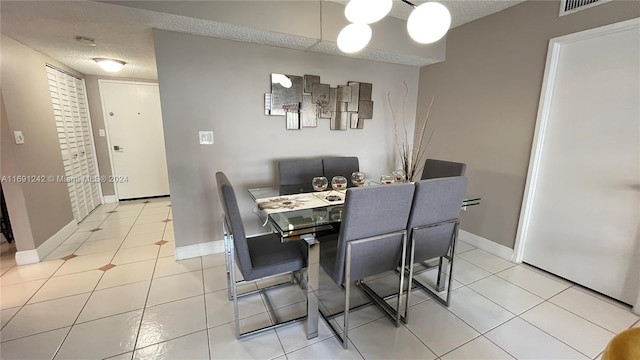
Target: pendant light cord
x,y
409,3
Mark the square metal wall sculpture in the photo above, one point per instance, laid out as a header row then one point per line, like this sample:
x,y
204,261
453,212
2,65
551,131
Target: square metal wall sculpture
x,y
303,100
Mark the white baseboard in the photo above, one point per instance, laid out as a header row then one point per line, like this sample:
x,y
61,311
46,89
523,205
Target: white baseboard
x,y
27,257
35,256
486,245
109,199
195,250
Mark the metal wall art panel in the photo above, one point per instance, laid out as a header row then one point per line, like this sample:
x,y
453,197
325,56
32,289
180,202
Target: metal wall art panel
x,y
345,105
285,92
365,109
365,91
344,93
339,120
309,80
293,120
355,96
356,121
308,112
320,94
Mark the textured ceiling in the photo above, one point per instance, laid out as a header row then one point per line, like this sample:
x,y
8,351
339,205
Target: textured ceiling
x,y
125,33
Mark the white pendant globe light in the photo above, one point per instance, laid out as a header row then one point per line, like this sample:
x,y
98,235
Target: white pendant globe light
x,y
367,11
354,37
428,22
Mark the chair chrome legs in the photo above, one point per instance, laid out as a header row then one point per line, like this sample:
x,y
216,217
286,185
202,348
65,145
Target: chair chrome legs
x,y
439,283
393,314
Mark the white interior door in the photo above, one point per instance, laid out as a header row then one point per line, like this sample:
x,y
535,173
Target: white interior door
x,y
134,124
582,212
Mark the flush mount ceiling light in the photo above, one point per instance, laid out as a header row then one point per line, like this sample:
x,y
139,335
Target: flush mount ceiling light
x,y
427,23
354,37
367,11
110,65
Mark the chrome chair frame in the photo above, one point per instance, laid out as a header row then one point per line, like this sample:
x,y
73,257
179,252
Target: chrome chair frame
x,y
450,257
394,316
232,291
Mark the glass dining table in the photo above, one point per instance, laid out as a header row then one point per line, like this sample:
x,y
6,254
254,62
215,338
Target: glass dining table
x,y
296,212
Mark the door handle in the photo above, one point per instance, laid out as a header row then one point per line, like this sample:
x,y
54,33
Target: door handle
x,y
117,148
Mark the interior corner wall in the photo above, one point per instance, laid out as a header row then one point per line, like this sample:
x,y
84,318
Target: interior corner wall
x,y
486,102
16,207
97,122
27,100
219,85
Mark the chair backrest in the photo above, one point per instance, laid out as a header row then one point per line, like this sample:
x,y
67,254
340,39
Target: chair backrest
x,y
234,221
435,201
440,168
368,212
299,171
340,166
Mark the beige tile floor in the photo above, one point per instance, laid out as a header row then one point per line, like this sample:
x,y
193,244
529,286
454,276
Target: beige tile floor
x,y
123,296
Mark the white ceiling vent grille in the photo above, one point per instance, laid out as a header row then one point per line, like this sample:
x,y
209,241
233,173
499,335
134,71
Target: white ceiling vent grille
x,y
570,6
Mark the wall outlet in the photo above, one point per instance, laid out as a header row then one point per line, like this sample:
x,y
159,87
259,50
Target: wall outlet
x,y
206,137
102,133
18,137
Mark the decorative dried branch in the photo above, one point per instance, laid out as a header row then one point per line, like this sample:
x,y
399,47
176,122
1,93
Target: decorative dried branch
x,y
411,157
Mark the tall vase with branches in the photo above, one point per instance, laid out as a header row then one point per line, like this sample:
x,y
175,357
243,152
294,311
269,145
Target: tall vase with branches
x,y
411,152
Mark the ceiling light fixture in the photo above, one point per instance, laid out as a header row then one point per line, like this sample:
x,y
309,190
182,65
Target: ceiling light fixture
x,y
367,11
354,37
110,65
427,23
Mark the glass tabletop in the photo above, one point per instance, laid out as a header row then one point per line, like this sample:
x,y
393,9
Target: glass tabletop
x,y
294,223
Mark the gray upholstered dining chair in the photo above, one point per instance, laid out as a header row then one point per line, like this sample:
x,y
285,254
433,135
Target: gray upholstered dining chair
x,y
440,168
372,240
433,228
257,257
340,166
299,171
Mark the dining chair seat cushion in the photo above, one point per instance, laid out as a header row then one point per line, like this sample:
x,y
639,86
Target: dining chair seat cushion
x,y
271,256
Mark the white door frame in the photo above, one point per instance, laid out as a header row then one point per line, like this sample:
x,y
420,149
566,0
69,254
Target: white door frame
x,y
106,125
546,96
93,142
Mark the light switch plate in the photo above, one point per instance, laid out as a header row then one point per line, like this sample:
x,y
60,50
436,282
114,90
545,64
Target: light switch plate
x,y
206,137
101,132
18,137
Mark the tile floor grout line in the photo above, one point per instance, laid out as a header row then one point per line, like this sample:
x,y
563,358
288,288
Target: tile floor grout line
x,y
34,334
77,316
471,326
500,347
560,340
582,317
461,345
204,298
144,309
421,341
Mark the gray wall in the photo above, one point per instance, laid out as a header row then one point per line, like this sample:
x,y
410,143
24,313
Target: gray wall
x,y
45,207
97,123
487,93
219,85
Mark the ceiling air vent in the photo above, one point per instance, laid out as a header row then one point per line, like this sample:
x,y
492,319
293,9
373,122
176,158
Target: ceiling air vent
x,y
570,6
